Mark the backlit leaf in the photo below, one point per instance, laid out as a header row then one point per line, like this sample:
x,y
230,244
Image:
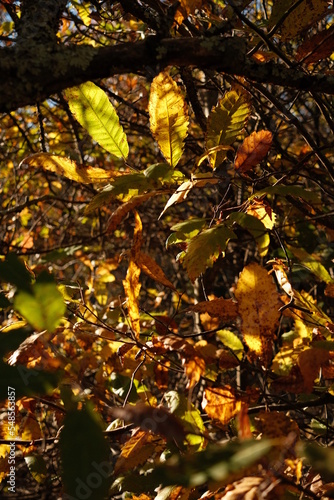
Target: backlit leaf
x,y
226,121
312,264
137,450
61,165
205,248
258,306
220,403
168,117
95,113
262,210
252,151
118,215
44,306
255,227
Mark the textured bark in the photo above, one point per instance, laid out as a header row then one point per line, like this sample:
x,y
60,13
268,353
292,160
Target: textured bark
x,y
37,67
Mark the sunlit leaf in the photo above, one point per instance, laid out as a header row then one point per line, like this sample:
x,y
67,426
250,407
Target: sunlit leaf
x,y
230,340
118,215
258,306
262,210
252,151
93,110
224,309
137,450
220,403
61,165
168,117
226,121
205,248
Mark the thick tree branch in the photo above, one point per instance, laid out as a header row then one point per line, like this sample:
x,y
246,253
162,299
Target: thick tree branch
x,y
53,68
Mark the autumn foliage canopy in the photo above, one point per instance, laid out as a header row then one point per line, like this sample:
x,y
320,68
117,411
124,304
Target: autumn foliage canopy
x,y
167,249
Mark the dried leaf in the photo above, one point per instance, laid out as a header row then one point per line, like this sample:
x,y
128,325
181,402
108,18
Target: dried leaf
x,y
252,151
275,424
153,270
226,122
305,15
154,419
61,165
224,309
220,403
310,361
137,450
168,117
194,368
258,306
317,48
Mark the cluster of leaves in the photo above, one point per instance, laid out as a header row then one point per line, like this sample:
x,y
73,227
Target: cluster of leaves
x,y
167,277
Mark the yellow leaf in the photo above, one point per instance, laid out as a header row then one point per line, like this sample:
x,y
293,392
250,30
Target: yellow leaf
x,y
194,369
132,288
137,450
262,211
153,270
186,8
221,404
168,117
258,306
68,168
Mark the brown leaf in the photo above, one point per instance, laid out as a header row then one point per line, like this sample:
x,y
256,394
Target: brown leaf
x,y
155,419
118,215
224,309
252,151
275,424
317,47
310,361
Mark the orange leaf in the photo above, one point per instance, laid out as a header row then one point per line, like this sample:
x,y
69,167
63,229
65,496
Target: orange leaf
x,y
221,404
153,270
318,47
118,215
194,369
252,151
132,288
137,450
310,361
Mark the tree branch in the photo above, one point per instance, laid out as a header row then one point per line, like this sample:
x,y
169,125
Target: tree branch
x,y
53,68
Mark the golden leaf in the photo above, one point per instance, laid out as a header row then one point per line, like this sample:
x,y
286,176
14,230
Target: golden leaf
x,y
137,450
262,211
258,306
168,117
221,404
132,288
194,369
61,165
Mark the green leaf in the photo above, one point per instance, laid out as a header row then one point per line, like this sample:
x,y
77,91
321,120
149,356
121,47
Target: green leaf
x,y
225,123
205,248
84,454
37,467
13,270
295,191
25,381
255,227
230,340
95,113
311,263
160,172
43,307
190,416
